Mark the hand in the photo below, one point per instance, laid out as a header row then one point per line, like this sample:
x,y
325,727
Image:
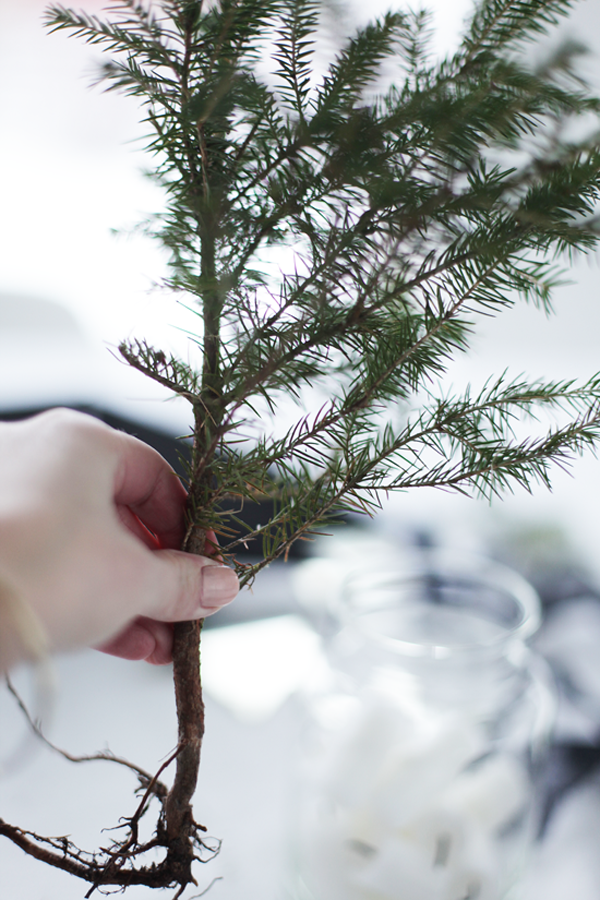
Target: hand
x,y
91,520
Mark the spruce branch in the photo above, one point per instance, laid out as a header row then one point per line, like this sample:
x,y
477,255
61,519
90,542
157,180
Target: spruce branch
x,y
497,23
343,232
294,44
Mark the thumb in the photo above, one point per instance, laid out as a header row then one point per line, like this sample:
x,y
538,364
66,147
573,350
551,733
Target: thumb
x,y
189,586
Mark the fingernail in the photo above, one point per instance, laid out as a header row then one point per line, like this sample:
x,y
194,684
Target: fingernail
x,y
219,586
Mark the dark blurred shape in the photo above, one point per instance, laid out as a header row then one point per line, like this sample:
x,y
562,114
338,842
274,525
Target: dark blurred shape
x,y
567,766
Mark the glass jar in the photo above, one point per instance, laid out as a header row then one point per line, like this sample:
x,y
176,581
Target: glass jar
x,y
418,783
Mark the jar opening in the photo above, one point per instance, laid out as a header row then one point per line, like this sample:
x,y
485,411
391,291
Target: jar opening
x,y
442,605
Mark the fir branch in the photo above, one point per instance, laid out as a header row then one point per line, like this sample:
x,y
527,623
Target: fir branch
x,y
356,67
294,44
497,23
348,239
166,370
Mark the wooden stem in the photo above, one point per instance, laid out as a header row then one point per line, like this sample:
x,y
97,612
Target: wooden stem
x,y
190,718
180,825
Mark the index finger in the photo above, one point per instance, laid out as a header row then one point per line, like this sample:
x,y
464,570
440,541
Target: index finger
x,y
146,483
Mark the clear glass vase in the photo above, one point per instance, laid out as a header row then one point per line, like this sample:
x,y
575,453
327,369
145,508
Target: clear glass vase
x,y
418,781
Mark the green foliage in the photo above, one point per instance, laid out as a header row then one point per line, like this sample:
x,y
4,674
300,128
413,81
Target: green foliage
x,y
396,210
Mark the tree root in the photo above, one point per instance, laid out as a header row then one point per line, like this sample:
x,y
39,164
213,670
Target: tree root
x,y
113,866
121,864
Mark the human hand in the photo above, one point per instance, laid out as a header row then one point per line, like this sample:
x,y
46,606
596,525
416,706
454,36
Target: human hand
x,y
91,520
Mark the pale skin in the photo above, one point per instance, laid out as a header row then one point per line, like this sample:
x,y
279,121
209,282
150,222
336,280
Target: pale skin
x,y
91,520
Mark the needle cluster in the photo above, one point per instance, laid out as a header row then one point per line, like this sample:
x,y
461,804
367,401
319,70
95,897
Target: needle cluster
x,y
341,226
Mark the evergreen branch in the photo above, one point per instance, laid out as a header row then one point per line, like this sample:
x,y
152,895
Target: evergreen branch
x,y
166,370
294,44
344,325
356,67
488,469
488,462
490,473
140,32
289,151
497,23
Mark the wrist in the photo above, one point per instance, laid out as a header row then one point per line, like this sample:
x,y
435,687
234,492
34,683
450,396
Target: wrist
x,y
22,635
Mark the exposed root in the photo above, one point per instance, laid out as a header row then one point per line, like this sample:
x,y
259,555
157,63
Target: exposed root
x,y
111,867
122,863
105,755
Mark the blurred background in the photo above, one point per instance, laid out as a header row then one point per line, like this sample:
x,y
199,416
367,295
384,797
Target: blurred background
x,y
71,289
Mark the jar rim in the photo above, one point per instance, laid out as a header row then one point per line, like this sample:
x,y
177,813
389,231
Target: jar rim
x,y
464,569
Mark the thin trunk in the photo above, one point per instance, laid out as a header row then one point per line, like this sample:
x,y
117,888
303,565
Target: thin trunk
x,y
180,825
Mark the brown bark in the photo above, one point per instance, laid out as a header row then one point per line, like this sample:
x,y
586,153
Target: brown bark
x,y
181,828
190,717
